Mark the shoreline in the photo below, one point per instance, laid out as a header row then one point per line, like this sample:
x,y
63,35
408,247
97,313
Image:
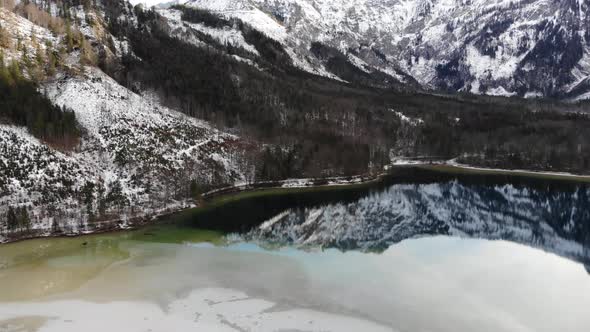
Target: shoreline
x,y
457,168
221,196
109,226
210,199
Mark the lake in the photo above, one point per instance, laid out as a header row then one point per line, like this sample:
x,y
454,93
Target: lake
x,y
419,251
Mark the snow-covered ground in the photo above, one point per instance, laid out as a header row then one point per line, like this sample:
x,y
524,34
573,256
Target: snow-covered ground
x,y
232,36
136,159
225,36
489,45
453,162
24,33
407,119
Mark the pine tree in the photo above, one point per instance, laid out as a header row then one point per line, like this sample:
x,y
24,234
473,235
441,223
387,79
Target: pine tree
x,y
115,195
23,218
69,36
194,189
11,219
33,37
4,73
39,56
87,55
14,70
51,62
26,60
55,226
100,193
5,40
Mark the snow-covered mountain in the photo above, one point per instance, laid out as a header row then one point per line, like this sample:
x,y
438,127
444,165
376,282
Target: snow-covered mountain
x,y
136,82
134,160
133,163
527,48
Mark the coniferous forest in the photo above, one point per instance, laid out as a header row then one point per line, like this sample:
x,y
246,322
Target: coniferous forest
x,y
22,104
319,126
327,127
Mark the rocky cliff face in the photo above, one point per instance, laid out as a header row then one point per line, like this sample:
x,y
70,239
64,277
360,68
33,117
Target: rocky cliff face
x,y
528,48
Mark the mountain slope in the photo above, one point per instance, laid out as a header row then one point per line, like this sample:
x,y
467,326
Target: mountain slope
x,y
136,160
103,112
527,48
132,158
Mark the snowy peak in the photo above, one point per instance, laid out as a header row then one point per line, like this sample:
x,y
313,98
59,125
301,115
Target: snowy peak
x,y
526,47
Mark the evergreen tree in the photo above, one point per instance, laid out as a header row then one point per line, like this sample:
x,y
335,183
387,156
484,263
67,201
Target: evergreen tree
x,y
100,194
69,36
11,219
195,191
5,40
115,195
87,55
22,104
15,72
23,218
39,56
4,73
33,38
51,62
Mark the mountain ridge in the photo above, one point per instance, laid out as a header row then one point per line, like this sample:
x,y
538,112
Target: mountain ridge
x,y
509,48
142,110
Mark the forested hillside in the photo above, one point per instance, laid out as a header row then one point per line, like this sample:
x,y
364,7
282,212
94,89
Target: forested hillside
x,y
321,122
115,113
21,103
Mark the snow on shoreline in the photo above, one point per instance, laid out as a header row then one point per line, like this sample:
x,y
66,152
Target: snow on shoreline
x,y
454,163
517,171
295,183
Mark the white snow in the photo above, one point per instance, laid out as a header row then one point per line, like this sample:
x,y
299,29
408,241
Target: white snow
x,y
246,12
500,91
533,94
128,139
407,119
416,36
226,35
19,28
483,66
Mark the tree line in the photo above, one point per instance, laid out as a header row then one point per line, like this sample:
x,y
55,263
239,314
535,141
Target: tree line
x,y
322,127
22,104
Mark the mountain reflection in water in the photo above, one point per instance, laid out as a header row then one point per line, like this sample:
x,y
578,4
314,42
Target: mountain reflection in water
x,y
553,218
